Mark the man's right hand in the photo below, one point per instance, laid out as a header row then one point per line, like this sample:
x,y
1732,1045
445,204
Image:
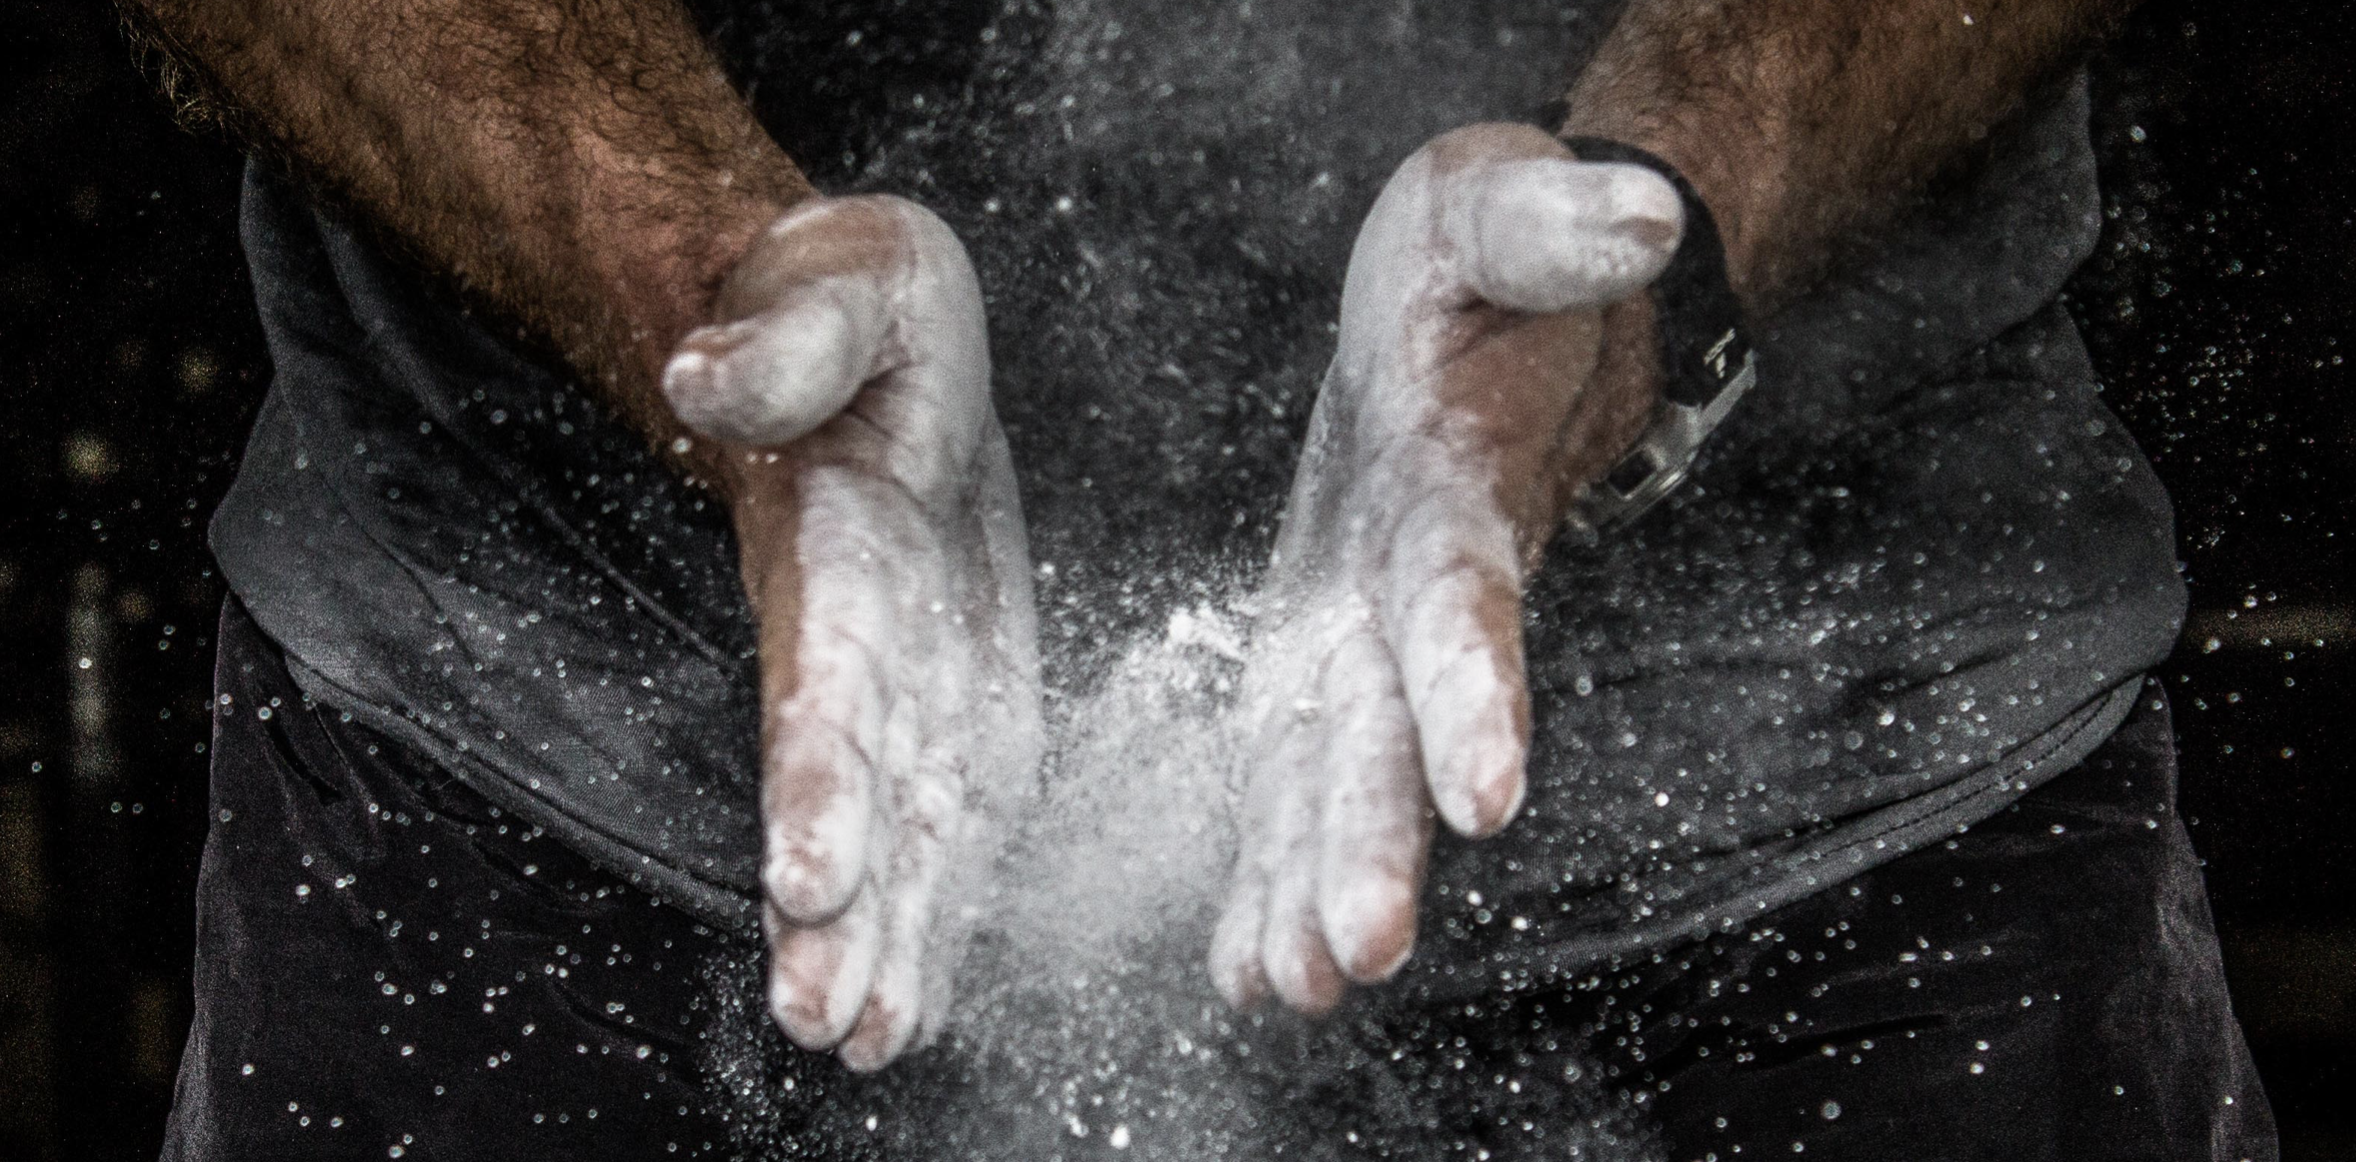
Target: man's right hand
x,y
845,377
1495,355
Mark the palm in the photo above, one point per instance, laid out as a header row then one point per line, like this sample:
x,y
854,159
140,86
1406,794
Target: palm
x,y
1387,685
882,546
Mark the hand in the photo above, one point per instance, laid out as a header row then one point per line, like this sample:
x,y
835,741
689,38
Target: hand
x,y
1491,363
846,382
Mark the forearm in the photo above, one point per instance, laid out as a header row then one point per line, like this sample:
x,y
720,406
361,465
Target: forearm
x,y
582,165
1806,124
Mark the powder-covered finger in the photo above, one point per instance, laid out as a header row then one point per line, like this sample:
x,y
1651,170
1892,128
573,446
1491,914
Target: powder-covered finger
x,y
834,715
1551,234
1458,640
1276,753
773,378
819,976
1377,822
1237,969
1300,965
818,780
924,810
888,1021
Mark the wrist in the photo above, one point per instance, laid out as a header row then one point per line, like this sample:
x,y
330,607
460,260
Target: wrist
x,y
1740,179
1693,347
645,300
1717,107
667,284
664,285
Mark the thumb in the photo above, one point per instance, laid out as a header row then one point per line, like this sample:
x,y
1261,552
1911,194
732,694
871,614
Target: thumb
x,y
774,377
1547,234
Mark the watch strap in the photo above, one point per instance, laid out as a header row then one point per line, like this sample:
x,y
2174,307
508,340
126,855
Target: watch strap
x,y
1707,361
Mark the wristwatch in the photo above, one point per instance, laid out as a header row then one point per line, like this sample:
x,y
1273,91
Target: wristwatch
x,y
1707,362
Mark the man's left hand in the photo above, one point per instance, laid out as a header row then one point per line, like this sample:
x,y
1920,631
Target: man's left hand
x,y
1494,357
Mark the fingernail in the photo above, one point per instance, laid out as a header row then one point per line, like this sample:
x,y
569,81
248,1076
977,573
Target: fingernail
x,y
1371,926
685,371
1491,790
815,859
870,1052
1479,793
1238,984
803,1022
811,1018
807,882
1640,195
1241,989
1301,970
1657,233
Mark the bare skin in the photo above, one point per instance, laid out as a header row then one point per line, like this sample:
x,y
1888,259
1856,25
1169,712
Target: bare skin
x,y
583,166
1462,415
880,529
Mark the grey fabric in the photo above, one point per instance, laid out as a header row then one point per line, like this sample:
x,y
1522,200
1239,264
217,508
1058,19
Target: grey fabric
x,y
1919,573
1923,574
456,547
618,1030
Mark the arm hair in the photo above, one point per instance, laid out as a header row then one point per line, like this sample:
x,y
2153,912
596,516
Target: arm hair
x,y
583,166
1807,124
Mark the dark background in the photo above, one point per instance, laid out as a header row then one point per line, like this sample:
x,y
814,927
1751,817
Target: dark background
x,y
130,365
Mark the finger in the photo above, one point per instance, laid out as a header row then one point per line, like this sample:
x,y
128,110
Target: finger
x,y
1279,751
831,699
1299,966
1552,234
1238,967
815,804
1238,970
1457,635
819,976
817,782
775,377
887,1023
895,1001
1377,821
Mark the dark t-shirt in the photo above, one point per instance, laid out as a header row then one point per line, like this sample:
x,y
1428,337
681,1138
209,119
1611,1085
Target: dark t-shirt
x,y
1920,572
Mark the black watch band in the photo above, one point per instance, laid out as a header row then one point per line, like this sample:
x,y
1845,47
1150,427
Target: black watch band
x,y
1706,359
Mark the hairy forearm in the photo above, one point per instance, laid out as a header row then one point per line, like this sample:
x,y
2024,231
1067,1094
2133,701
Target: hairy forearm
x,y
1807,124
582,165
